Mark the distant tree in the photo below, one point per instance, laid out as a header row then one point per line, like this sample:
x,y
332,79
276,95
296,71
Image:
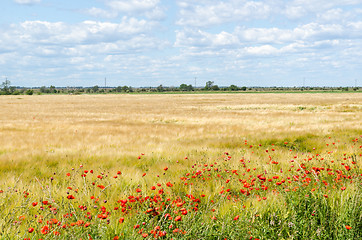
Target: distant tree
x,y
5,87
160,88
6,84
44,89
215,88
209,85
29,92
125,89
12,90
243,88
52,89
185,87
118,89
95,88
233,88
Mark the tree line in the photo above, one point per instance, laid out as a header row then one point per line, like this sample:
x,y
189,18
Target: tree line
x,y
7,89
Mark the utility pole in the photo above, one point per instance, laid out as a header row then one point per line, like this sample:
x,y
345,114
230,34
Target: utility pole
x,y
355,82
105,82
195,82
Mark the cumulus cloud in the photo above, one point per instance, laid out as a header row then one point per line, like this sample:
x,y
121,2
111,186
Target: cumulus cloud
x,y
298,9
151,9
308,32
261,50
100,13
211,13
245,41
204,39
127,6
42,49
86,32
59,39
204,13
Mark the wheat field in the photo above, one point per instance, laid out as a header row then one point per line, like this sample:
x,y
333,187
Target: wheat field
x,y
98,130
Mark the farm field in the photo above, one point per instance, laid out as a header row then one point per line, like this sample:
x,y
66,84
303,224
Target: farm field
x,y
206,166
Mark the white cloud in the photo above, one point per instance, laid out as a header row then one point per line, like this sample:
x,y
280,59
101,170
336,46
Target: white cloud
x,y
157,13
98,12
262,50
27,2
87,32
61,40
299,9
210,13
333,15
204,39
309,32
295,12
259,42
204,13
127,6
264,35
151,9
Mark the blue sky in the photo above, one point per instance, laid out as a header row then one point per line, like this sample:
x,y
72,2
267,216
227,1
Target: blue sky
x,y
153,42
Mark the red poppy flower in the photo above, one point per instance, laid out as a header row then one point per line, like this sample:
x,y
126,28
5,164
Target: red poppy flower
x,y
45,229
348,227
70,197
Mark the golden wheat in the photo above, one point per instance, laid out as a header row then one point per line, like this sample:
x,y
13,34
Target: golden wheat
x,y
41,133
